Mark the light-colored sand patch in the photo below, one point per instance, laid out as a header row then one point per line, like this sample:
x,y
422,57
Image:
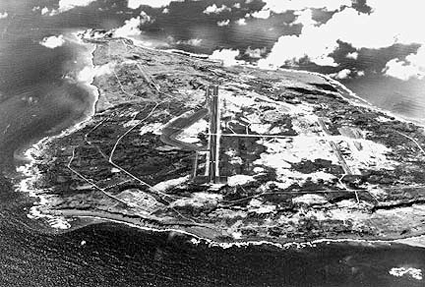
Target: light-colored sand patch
x,y
295,150
154,128
259,207
306,125
198,199
228,213
190,134
234,102
132,123
383,119
260,128
239,179
371,155
135,198
310,199
165,185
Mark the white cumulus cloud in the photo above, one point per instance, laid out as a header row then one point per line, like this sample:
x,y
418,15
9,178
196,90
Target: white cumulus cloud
x,y
44,11
241,21
49,12
196,42
305,17
52,41
223,23
65,5
87,74
255,53
341,75
314,42
227,56
134,4
353,55
262,14
382,28
214,9
280,6
131,26
412,67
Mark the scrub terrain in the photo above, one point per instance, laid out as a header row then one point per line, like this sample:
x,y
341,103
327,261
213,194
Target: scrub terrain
x,y
231,153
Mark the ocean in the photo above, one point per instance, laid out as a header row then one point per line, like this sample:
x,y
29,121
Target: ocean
x,y
115,255
39,97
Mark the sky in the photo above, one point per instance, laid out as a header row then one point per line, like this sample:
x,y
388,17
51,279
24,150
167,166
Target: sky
x,y
383,24
360,24
318,31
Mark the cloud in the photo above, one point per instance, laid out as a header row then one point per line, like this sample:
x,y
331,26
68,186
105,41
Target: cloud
x,y
255,53
314,42
135,4
213,9
305,17
223,23
412,67
65,5
52,42
262,14
131,26
227,56
4,15
360,73
192,42
341,75
353,55
44,11
241,22
281,6
87,74
382,28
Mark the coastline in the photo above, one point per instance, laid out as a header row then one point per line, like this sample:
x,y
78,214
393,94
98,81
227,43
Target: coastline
x,y
32,174
353,98
412,241
29,153
358,101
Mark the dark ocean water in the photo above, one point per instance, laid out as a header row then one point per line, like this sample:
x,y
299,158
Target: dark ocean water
x,y
37,98
115,255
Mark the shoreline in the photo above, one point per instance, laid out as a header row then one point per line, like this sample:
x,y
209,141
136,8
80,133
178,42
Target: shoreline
x,y
36,145
31,173
413,241
359,101
28,154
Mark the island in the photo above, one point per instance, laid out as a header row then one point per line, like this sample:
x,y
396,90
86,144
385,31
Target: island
x,y
232,154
